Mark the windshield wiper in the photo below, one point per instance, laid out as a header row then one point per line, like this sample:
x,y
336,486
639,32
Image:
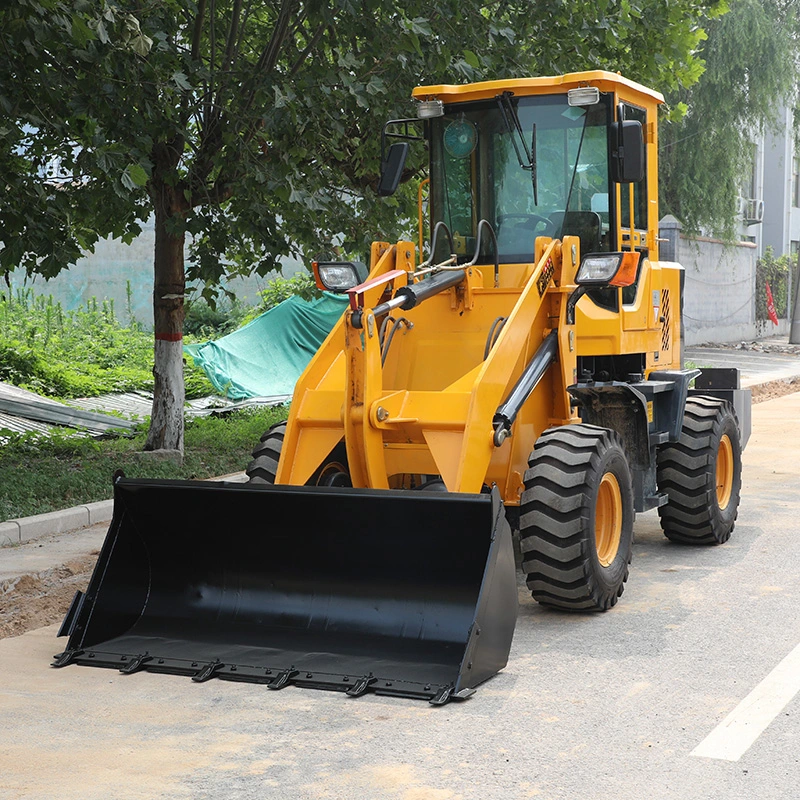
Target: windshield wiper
x,y
511,120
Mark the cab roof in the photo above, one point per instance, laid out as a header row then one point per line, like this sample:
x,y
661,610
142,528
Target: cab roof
x,y
561,84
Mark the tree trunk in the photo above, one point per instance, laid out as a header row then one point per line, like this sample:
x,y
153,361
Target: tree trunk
x,y
166,422
794,309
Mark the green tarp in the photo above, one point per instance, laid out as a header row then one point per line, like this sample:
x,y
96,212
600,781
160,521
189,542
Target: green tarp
x,y
266,357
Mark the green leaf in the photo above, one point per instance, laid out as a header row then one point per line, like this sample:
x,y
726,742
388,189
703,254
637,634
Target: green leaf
x,y
179,78
421,26
136,175
102,34
141,45
471,59
81,32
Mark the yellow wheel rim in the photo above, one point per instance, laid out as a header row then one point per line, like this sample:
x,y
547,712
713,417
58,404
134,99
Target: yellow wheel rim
x,y
608,519
724,472
328,471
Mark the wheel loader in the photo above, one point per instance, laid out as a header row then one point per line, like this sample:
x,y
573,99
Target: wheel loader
x,y
521,371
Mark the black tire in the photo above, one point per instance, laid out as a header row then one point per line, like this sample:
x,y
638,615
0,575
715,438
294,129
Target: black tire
x,y
560,523
264,466
696,511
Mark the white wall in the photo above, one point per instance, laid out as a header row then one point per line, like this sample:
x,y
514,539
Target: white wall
x,y
719,289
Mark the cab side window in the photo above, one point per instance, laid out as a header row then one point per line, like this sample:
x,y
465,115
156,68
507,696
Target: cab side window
x,y
640,204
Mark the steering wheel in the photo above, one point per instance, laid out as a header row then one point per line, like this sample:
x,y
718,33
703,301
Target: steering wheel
x,y
536,219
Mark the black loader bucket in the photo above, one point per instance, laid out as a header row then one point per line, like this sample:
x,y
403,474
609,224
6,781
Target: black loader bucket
x,y
399,593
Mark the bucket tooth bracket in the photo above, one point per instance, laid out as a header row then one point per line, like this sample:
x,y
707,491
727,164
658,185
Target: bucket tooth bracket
x,y
442,696
208,672
282,679
137,663
67,657
361,686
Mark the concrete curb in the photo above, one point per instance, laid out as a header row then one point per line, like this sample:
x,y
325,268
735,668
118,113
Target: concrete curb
x,y
24,529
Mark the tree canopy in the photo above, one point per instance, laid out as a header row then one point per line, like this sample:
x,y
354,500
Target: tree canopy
x,y
751,69
254,127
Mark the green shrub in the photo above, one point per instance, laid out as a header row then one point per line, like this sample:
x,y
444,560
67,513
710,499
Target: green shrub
x,y
210,322
774,271
78,353
280,289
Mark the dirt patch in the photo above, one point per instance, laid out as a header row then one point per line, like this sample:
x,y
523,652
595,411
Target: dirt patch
x,y
34,601
773,389
780,346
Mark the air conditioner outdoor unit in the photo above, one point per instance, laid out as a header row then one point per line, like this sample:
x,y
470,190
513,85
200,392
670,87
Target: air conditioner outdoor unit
x,y
752,210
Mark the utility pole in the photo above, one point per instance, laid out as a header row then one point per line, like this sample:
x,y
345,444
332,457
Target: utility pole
x,y
794,330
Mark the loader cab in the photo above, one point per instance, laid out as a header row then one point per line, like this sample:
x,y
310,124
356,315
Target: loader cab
x,y
537,163
547,176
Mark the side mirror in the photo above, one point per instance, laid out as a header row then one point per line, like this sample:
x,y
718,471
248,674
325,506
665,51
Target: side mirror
x,y
627,153
392,169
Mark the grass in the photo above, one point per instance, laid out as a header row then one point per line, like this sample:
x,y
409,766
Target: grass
x,y
89,351
82,353
40,474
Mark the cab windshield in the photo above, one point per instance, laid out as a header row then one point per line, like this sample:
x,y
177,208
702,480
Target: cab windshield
x,y
477,173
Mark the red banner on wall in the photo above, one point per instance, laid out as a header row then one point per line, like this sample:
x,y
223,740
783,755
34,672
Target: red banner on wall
x,y
771,305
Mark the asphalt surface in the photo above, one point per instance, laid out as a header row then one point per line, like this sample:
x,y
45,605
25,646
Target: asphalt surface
x,y
605,705
755,366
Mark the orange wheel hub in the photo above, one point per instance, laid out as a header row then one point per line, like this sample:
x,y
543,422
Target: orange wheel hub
x,y
724,472
608,519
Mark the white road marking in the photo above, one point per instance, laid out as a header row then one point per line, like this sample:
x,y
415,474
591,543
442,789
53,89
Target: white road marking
x,y
734,735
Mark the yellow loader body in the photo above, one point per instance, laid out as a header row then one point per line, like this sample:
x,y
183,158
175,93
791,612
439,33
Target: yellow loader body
x,y
525,372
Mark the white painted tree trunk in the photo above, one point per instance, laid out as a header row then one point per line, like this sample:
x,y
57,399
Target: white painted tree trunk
x,y
166,423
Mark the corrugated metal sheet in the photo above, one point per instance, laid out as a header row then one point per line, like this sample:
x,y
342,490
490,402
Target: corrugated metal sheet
x,y
131,405
60,414
17,424
139,404
21,425
205,406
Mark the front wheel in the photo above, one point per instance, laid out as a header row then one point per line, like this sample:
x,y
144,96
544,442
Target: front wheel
x,y
264,466
701,474
576,518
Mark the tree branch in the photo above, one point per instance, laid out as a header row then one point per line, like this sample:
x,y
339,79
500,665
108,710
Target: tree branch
x,y
269,55
208,104
198,29
313,42
233,35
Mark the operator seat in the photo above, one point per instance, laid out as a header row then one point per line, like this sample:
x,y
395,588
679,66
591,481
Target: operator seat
x,y
586,225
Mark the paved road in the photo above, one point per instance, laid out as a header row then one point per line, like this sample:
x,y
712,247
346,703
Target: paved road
x,y
756,366
604,706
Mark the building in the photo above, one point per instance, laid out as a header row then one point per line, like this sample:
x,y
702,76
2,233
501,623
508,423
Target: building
x,y
780,189
724,297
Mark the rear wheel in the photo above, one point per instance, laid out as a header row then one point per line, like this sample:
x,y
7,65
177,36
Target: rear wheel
x,y
264,466
701,474
576,518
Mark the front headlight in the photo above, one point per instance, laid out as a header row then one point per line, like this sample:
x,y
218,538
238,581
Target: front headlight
x,y
335,276
608,269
